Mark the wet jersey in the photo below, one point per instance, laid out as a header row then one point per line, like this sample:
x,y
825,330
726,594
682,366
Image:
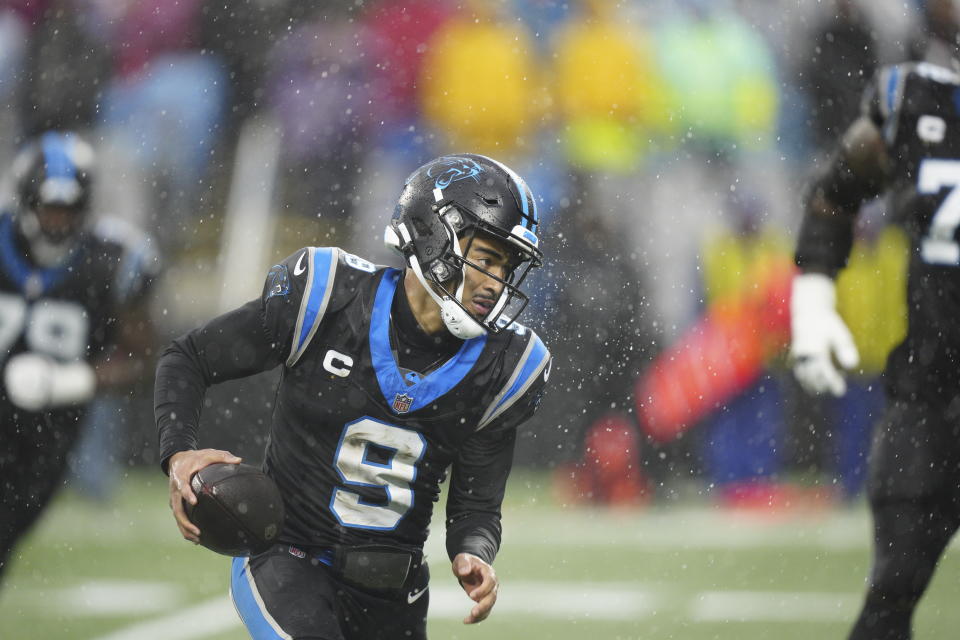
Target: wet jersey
x,y
70,311
916,106
359,446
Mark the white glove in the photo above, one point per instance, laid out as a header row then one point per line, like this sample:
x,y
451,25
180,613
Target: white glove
x,y
819,335
36,383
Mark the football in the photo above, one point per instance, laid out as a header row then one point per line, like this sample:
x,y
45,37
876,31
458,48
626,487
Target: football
x,y
239,509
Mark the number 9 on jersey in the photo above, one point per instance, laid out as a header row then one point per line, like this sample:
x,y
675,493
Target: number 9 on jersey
x,y
376,454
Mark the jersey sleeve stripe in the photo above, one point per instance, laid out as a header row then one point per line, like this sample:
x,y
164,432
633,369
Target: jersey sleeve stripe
x,y
323,269
246,599
892,82
892,89
131,268
531,364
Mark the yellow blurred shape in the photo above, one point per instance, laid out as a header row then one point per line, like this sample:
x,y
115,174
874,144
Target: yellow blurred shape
x,y
479,86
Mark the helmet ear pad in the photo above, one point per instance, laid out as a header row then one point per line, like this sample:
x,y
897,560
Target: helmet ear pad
x,y
430,241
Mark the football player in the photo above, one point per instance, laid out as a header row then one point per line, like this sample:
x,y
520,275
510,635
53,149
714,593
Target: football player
x,y
390,380
906,143
72,320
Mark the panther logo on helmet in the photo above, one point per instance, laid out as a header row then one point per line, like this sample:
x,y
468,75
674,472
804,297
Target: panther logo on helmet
x,y
452,169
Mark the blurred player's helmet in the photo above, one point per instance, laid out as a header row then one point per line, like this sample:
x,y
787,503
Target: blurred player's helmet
x,y
455,197
53,173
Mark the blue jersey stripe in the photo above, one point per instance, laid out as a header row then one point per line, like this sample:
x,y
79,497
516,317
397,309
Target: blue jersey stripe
x,y
323,265
258,621
431,386
130,271
20,271
532,362
892,88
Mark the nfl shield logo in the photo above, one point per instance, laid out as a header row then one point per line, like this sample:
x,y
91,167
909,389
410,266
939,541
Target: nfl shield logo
x,y
402,402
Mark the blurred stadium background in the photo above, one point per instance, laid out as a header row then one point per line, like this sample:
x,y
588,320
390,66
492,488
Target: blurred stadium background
x,y
675,483
695,571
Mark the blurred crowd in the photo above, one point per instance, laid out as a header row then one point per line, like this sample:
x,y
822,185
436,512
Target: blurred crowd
x,y
668,143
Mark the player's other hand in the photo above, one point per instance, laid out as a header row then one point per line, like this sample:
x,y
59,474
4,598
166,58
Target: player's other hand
x,y
182,467
820,340
480,582
36,382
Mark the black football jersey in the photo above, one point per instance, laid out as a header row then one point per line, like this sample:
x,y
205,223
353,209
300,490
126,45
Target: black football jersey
x,y
917,108
359,446
70,311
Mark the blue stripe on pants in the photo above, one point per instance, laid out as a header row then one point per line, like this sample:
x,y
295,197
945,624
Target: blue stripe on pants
x,y
254,616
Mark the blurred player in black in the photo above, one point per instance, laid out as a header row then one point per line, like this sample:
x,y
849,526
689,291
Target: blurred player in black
x,y
907,144
72,319
390,379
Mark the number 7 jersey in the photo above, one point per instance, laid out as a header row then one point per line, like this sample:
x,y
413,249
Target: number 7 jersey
x,y
916,106
357,447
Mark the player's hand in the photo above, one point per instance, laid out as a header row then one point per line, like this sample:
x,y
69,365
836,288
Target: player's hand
x,y
819,336
36,382
183,465
480,582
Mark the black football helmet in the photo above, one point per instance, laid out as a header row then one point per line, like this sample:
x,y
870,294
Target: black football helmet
x,y
454,197
55,170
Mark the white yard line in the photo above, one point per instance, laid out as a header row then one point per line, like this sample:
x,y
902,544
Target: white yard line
x,y
565,601
205,619
102,598
765,606
555,600
597,600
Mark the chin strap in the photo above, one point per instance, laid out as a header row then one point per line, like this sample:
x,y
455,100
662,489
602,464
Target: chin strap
x,y
458,322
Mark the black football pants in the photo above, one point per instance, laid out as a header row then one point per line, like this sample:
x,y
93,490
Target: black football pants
x,y
33,458
914,489
284,593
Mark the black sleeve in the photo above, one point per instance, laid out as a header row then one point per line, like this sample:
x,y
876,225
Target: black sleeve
x,y
479,480
234,345
850,178
871,105
249,340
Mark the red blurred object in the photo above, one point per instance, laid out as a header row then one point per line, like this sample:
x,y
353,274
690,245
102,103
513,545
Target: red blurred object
x,y
610,470
399,31
717,358
771,497
149,28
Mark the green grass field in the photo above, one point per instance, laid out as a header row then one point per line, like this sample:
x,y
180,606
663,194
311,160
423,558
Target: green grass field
x,y
121,572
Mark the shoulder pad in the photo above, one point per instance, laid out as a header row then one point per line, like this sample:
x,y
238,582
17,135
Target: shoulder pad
x,y
324,278
935,72
138,261
316,268
888,89
886,96
521,371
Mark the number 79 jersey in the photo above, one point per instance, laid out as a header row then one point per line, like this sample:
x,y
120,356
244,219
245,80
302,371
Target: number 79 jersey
x,y
916,106
357,447
70,311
